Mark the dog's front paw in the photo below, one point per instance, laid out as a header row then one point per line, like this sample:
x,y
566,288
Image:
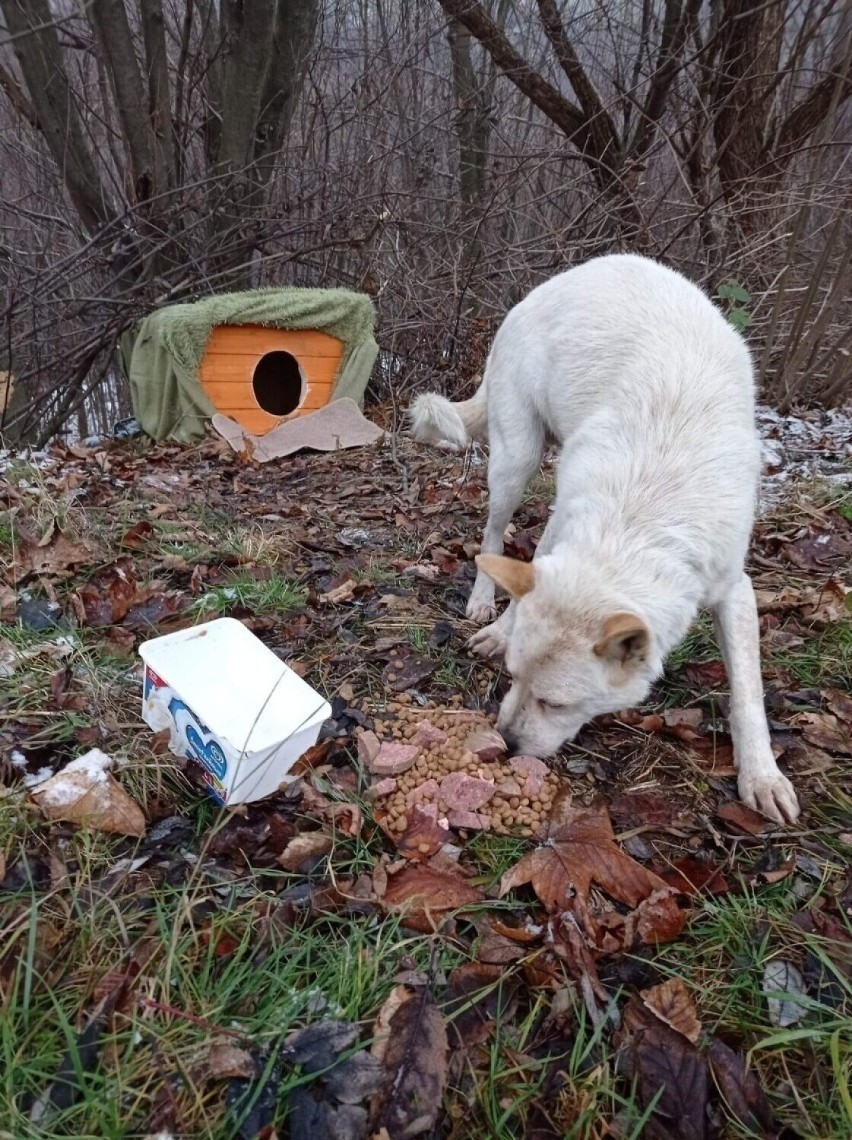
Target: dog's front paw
x,y
769,793
489,642
481,610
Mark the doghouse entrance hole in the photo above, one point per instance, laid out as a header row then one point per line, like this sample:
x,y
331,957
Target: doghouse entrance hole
x,y
278,383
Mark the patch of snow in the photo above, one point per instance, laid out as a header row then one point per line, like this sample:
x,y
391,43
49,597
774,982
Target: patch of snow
x,y
815,444
33,779
93,764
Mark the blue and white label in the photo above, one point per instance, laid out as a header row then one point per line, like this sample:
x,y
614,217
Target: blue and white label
x,y
200,743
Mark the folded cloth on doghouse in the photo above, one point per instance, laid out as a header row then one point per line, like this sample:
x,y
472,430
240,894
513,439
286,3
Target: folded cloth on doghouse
x,y
161,356
338,425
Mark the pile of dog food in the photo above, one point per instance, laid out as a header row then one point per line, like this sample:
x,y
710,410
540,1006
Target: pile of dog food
x,y
450,764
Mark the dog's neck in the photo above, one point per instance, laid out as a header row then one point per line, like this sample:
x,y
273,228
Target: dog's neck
x,y
651,579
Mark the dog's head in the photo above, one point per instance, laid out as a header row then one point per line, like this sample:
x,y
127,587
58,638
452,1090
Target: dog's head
x,y
572,654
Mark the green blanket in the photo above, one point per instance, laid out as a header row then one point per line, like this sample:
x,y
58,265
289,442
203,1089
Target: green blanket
x,y
162,354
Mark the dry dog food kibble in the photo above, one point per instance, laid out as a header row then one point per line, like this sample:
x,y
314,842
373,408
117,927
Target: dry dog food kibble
x,y
455,771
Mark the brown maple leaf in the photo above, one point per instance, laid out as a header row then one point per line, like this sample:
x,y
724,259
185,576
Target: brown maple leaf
x,y
580,850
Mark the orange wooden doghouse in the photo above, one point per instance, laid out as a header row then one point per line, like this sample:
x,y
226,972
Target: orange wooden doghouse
x,y
258,358
260,376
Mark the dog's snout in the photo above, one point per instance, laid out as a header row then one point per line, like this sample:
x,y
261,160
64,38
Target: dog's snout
x,y
510,739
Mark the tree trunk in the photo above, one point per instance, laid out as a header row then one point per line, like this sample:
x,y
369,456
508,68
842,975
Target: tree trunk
x,y
266,47
159,97
753,145
39,53
115,43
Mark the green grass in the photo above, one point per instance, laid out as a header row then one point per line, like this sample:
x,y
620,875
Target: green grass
x,y
722,958
495,854
187,994
418,639
275,594
7,533
825,658
698,645
506,1092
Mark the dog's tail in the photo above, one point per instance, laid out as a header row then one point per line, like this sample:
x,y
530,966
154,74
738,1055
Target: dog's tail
x,y
436,420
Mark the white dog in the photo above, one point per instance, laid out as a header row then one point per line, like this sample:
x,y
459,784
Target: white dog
x,y
650,393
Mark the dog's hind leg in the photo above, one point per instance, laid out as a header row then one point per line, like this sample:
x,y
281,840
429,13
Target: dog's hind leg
x,y
761,785
514,457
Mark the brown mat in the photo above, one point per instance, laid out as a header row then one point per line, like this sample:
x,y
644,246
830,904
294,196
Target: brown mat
x,y
339,424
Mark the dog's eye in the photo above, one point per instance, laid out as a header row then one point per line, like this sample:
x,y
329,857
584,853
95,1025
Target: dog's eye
x,y
552,706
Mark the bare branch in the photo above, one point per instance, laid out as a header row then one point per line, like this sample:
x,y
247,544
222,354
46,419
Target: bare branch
x,y
561,111
601,127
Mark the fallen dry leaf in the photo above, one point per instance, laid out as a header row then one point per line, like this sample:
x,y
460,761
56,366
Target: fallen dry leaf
x,y
407,669
826,731
741,818
415,1063
318,1046
487,744
495,948
8,603
87,794
423,836
225,1061
346,818
581,850
51,553
669,1072
658,918
635,719
784,986
840,704
817,551
478,997
649,809
304,849
707,674
689,876
342,593
692,718
398,996
820,606
672,1002
772,874
824,605
425,896
138,535
739,1088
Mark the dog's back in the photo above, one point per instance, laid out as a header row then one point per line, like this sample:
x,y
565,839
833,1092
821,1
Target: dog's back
x,y
622,331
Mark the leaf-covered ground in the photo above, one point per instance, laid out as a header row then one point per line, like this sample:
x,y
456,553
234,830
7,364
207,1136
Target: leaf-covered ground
x,y
629,953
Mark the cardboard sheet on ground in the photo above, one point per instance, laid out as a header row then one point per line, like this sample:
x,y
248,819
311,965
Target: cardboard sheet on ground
x,y
339,424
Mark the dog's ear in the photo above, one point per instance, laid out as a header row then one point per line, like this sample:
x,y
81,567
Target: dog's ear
x,y
516,578
625,639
